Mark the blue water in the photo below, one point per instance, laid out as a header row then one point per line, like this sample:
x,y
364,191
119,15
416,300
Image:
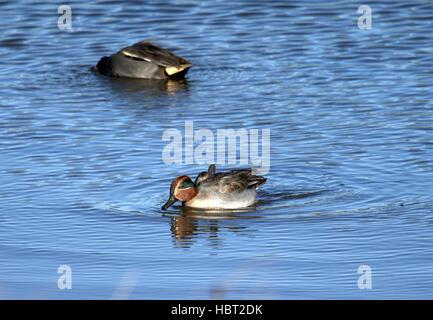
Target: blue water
x,y
350,111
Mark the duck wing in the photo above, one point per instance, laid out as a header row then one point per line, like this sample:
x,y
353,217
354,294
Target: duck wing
x,y
211,170
202,176
238,180
147,51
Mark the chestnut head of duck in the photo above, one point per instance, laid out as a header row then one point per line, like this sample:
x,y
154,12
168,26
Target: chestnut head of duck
x,y
182,189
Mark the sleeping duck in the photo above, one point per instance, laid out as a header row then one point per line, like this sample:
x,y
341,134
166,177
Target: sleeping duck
x,y
144,60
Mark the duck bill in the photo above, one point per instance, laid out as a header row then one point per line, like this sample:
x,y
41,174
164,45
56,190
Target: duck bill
x,y
169,202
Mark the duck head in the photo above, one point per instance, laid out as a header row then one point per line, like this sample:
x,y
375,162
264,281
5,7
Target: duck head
x,y
182,189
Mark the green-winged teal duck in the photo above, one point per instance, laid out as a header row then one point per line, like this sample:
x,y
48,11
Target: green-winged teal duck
x,y
144,60
211,190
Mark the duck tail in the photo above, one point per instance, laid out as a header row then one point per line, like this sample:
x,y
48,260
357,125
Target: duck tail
x,y
256,181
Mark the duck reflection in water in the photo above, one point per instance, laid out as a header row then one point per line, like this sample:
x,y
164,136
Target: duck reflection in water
x,y
193,224
149,87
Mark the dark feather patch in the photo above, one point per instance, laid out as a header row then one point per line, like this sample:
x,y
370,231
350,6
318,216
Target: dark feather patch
x,y
148,51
